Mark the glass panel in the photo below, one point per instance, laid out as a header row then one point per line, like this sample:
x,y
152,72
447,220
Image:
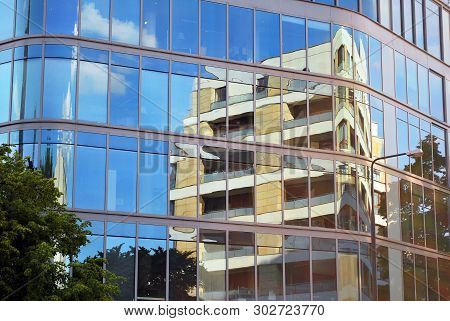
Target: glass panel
x,y
270,267
385,13
408,20
442,203
436,96
95,19
380,203
7,18
322,196
421,278
414,143
349,4
152,259
57,9
370,9
90,178
418,214
155,100
268,188
405,211
295,113
297,268
367,286
375,71
241,266
400,77
153,184
397,16
408,276
268,109
124,88
319,47
348,285
361,56
213,29
423,89
59,88
347,215
5,91
383,278
212,265
343,51
345,119
444,279
377,130
240,112
183,180
413,91
432,278
267,38
183,115
185,26
240,34
213,177
324,274
427,158
29,17
120,256
433,23
439,156
419,27
294,43
363,134
125,21
155,23
92,250
430,220
93,92
295,191
388,71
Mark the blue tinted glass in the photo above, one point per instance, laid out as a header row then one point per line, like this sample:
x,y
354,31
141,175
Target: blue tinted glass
x,y
319,44
95,19
375,63
122,181
23,137
413,93
155,100
154,146
94,55
349,4
397,16
125,21
29,17
91,139
422,75
185,26
93,92
97,227
370,9
125,60
433,27
183,113
59,88
400,77
5,90
60,51
436,96
62,17
121,229
6,18
32,51
123,142
153,184
267,51
155,23
3,138
213,33
5,55
294,43
155,64
92,249
124,96
182,68
90,178
401,114
240,34
152,231
329,2
57,136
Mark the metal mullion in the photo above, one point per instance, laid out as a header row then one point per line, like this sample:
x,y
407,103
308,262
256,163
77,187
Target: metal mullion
x,y
170,25
110,21
74,185
77,84
136,262
197,161
199,33
357,179
227,276
308,177
359,272
336,253
414,276
169,120
255,262
108,112
197,248
306,44
227,158
105,237
14,20
226,31
438,280
11,86
282,198
280,28
43,59
426,276
141,20
105,207
311,293
138,196
283,254
167,261
336,196
79,18
254,151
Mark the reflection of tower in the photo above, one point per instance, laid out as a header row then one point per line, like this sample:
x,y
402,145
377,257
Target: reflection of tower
x,y
60,172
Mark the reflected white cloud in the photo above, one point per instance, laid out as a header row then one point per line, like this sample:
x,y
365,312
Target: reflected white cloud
x,y
92,21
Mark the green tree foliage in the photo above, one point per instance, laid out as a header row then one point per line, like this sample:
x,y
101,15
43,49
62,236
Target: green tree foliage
x,y
39,239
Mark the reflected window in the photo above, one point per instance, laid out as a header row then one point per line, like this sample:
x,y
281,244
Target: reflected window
x,y
95,19
294,43
267,38
377,127
268,188
436,96
320,116
324,272
348,285
297,268
125,21
343,51
364,199
347,215
400,77
361,56
295,113
363,141
409,288
345,119
319,47
268,109
241,266
270,267
185,26
155,23
240,106
29,17
5,91
295,190
375,71
57,9
383,279
213,29
322,193
154,100
240,34
366,274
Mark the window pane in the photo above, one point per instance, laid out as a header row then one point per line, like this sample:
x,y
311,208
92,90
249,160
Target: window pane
x,y
155,23
322,199
92,250
408,276
56,9
349,4
95,19
413,91
319,47
363,146
375,64
442,203
324,272
185,26
270,267
388,71
433,25
345,119
125,21
5,91
7,19
122,181
405,211
383,277
240,34
155,100
421,278
241,266
432,278
423,89
430,220
295,191
90,178
240,112
93,92
59,88
268,188
367,285
439,156
377,130
418,214
152,258
361,56
153,184
348,286
267,38
294,43
370,9
183,114
295,111
124,90
436,96
120,256
414,143
268,110
427,158
385,13
444,279
418,15
297,269
343,51
400,77
213,33
407,20
29,17
347,214
397,17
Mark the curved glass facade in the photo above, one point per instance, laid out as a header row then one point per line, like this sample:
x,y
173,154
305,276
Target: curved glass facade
x,y
234,144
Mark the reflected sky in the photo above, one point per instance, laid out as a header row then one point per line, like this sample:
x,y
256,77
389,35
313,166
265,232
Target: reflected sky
x,y
57,9
95,19
155,100
93,92
125,21
240,34
155,23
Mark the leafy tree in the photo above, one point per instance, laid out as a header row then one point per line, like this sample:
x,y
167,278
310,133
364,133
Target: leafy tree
x,y
39,239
